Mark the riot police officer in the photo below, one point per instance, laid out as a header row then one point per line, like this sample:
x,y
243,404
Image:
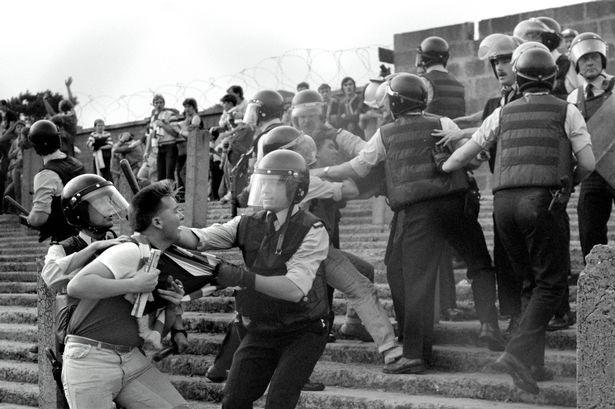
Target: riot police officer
x,y
445,94
58,168
282,301
433,213
536,136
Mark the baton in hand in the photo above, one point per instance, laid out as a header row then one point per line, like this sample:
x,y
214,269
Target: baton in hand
x,y
16,205
130,177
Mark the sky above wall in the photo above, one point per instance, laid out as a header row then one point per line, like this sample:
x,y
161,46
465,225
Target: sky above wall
x,y
126,50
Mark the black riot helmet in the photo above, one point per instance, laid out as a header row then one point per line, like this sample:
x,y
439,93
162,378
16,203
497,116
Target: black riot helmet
x,y
264,106
406,92
283,168
87,193
534,66
433,50
45,137
287,137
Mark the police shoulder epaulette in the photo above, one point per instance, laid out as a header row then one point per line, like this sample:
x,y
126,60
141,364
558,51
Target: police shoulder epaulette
x,y
318,224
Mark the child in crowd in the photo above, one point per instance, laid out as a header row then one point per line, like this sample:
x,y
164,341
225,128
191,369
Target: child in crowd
x,y
100,144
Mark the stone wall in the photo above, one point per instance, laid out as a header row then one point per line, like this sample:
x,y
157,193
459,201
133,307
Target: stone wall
x,y
596,331
476,75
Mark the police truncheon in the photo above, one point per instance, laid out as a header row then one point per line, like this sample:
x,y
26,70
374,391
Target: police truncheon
x,y
601,128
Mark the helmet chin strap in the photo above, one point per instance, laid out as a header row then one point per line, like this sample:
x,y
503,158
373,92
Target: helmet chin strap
x,y
278,247
99,231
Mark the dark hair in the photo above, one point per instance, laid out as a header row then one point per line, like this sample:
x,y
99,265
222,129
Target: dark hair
x,y
65,105
303,85
235,89
229,98
324,86
146,204
158,96
346,79
99,120
190,102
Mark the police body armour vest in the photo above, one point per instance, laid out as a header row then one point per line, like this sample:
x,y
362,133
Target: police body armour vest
x,y
411,174
258,251
588,107
532,149
448,95
56,226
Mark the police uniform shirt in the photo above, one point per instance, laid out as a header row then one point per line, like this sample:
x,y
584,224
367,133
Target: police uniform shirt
x,y
599,84
46,184
55,271
374,152
301,267
574,126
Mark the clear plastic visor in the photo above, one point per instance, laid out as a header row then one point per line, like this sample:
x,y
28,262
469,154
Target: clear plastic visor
x,y
268,190
108,202
310,108
581,48
252,114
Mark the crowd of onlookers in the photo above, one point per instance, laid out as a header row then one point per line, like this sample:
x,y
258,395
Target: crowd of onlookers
x,y
160,152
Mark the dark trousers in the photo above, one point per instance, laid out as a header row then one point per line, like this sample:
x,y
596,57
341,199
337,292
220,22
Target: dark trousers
x,y
284,361
166,161
216,173
509,285
426,226
594,209
533,236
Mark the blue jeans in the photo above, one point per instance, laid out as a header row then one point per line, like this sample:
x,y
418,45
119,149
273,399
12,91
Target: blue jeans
x,y
361,294
93,378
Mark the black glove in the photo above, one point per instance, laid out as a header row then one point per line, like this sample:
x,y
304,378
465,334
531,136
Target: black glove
x,y
439,155
231,275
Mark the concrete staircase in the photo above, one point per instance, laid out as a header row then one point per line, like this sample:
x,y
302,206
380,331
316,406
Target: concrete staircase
x,y
461,379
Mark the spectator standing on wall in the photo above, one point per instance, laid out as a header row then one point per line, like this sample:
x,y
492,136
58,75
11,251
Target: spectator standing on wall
x,y
163,136
188,129
350,107
100,144
330,105
242,104
126,148
66,112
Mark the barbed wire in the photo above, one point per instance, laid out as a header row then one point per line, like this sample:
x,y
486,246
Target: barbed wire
x,y
283,72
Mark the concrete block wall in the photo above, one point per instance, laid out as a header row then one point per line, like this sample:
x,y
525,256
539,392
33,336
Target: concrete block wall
x,y
476,75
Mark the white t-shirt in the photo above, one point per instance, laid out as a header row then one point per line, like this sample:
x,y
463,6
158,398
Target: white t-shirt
x,y
122,260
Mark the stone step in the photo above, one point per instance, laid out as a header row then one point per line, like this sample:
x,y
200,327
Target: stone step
x,y
494,387
18,351
446,332
20,299
17,287
19,371
19,393
19,265
18,276
26,250
452,358
498,387
18,315
19,332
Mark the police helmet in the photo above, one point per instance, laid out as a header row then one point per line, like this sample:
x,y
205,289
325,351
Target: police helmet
x,y
264,106
406,92
534,66
586,43
89,190
287,137
497,46
433,50
45,137
283,168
